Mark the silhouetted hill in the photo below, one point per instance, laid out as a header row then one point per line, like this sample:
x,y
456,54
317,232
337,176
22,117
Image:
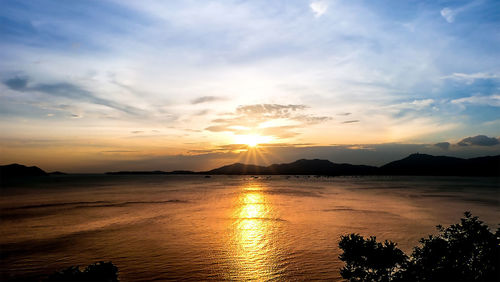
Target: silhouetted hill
x,y
303,167
423,164
415,164
182,172
57,173
14,172
239,168
150,172
489,165
136,172
322,167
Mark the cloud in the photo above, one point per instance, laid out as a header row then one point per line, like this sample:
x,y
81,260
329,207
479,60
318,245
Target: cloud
x,y
449,14
232,147
470,78
351,121
17,83
491,100
218,128
311,119
319,7
66,90
424,103
443,145
279,121
479,140
414,105
269,110
201,113
207,99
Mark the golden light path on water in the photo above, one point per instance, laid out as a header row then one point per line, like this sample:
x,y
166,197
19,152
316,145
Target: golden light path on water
x,y
255,227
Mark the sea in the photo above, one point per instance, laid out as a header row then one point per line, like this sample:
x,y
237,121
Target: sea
x,y
238,228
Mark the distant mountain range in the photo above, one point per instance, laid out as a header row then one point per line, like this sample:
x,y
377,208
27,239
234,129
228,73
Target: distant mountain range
x,y
415,164
422,164
319,167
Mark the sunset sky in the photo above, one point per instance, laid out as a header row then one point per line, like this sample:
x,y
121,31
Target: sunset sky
x,y
93,86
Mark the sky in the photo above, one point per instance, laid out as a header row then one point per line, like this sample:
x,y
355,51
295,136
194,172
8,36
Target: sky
x,y
93,86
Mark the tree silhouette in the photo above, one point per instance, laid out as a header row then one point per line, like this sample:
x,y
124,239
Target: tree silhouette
x,y
368,260
466,251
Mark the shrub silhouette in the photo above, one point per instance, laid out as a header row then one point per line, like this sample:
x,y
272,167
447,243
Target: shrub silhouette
x,y
466,251
368,260
98,272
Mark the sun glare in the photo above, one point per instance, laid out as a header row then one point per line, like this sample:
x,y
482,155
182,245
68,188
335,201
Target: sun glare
x,y
252,140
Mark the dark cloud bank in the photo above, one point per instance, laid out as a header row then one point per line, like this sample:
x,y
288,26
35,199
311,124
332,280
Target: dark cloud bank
x,y
473,141
479,140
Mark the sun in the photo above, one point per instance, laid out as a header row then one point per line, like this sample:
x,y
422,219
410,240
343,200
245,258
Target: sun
x,y
252,140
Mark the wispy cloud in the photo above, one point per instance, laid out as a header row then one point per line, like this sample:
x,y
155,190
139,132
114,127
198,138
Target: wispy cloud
x,y
415,104
202,112
449,14
269,110
351,121
484,100
67,90
470,78
319,7
207,99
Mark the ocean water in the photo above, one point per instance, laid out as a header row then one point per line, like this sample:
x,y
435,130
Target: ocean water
x,y
239,228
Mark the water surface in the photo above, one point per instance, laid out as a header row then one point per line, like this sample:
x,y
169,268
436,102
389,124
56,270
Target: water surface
x,y
159,227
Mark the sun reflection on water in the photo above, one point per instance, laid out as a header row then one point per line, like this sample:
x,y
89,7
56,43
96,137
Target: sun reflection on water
x,y
254,235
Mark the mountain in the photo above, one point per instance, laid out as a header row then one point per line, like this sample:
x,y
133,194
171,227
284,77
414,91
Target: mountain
x,y
150,172
322,167
136,172
423,164
12,172
415,164
57,173
304,167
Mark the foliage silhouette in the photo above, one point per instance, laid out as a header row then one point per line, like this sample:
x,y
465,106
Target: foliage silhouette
x,y
98,272
368,260
466,251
